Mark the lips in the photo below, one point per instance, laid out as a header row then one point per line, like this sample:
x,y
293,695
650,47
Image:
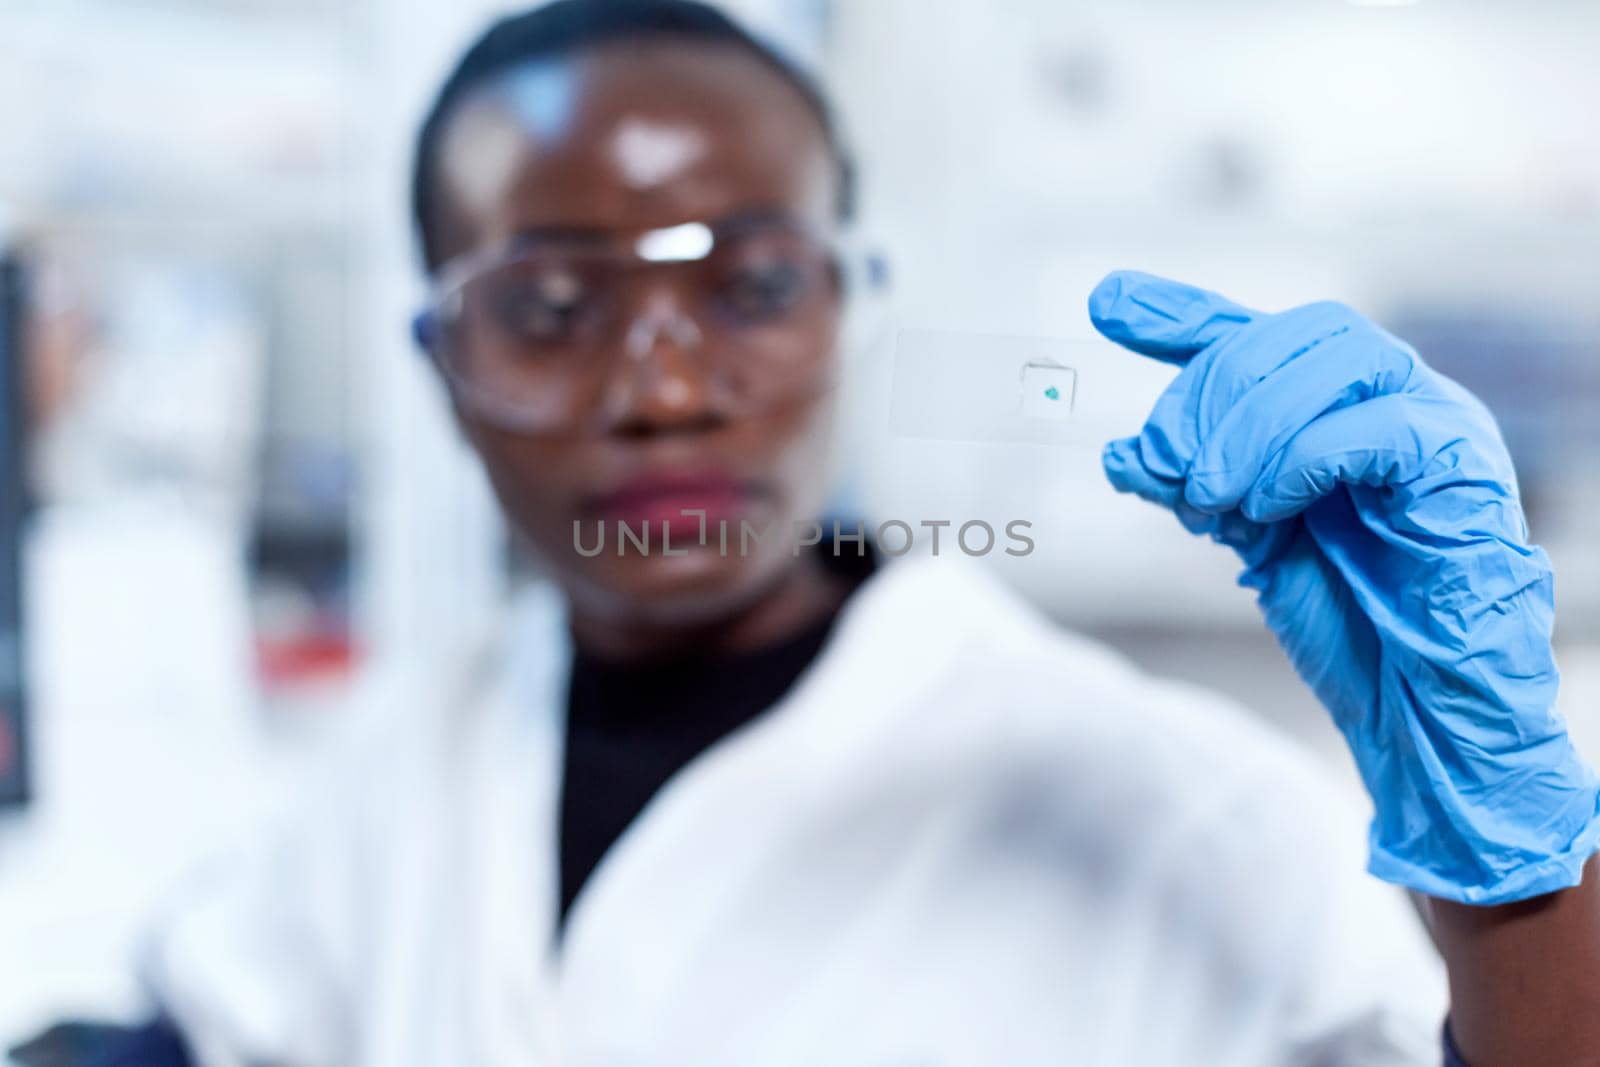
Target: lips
x,y
666,496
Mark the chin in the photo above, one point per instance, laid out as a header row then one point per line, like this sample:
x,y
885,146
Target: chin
x,y
701,586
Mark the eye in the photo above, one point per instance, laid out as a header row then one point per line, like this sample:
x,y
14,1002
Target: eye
x,y
543,304
765,287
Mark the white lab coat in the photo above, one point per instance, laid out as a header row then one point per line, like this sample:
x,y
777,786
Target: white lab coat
x,y
964,838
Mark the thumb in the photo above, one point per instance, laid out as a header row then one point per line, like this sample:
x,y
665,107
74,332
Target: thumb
x,y
1163,319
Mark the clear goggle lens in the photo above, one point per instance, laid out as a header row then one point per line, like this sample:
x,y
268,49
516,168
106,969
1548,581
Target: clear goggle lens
x,y
536,338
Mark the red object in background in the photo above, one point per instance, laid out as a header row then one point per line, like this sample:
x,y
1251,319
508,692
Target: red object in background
x,y
8,744
312,657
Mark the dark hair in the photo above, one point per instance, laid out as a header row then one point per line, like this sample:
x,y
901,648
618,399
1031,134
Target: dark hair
x,y
567,26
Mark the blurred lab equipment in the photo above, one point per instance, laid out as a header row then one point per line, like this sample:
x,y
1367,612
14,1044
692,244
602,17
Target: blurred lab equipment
x,y
168,406
13,389
145,744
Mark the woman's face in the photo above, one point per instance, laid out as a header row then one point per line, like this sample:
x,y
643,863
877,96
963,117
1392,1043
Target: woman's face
x,y
618,140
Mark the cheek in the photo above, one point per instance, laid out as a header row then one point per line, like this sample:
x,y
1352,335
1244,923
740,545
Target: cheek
x,y
538,483
804,466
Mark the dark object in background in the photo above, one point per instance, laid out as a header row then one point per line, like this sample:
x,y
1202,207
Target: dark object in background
x,y
77,1044
13,693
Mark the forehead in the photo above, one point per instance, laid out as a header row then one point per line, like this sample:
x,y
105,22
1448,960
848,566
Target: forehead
x,y
627,136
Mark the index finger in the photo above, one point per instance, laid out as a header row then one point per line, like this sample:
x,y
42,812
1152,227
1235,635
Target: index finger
x,y
1163,319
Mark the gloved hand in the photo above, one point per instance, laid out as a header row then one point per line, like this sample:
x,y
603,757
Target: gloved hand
x,y
1376,511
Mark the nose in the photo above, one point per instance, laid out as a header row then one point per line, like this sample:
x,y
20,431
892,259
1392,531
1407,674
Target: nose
x,y
662,320
661,383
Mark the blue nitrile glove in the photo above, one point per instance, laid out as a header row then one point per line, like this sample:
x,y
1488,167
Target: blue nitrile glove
x,y
1376,511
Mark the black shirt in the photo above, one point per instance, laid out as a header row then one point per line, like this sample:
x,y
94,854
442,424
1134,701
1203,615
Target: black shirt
x,y
631,727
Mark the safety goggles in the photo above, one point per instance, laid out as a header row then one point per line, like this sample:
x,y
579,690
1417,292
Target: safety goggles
x,y
549,334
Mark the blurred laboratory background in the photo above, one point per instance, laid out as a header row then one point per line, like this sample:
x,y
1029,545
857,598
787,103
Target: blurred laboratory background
x,y
231,494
